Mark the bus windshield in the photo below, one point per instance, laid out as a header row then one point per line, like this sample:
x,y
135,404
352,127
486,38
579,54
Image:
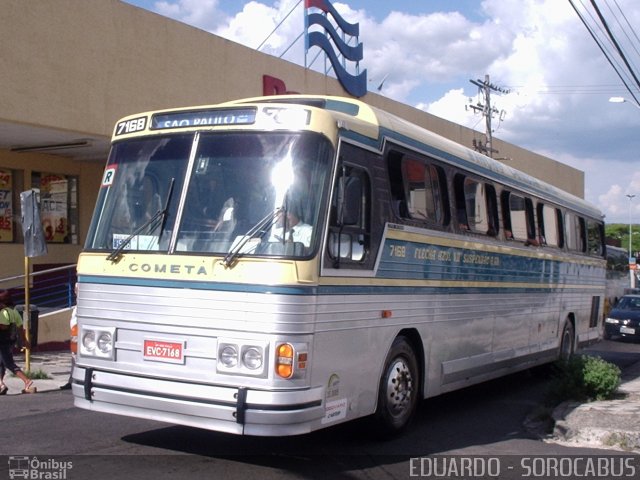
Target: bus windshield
x,y
245,193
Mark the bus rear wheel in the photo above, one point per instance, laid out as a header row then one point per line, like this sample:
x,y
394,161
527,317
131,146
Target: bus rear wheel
x,y
398,391
567,342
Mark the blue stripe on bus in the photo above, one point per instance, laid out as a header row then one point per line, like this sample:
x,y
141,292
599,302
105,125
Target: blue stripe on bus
x,y
417,261
227,287
322,289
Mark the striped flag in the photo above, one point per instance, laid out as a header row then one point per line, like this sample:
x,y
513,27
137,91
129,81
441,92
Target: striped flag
x,y
355,84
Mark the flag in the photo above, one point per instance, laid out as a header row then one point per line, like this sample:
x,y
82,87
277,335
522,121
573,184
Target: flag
x,y
355,84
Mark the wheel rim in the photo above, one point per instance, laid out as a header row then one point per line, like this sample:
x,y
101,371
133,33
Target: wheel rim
x,y
399,391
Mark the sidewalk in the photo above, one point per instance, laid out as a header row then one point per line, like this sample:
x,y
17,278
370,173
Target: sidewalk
x,y
613,424
56,365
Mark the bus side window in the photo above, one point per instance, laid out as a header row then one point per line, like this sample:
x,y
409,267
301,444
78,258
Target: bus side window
x,y
460,202
396,183
418,189
424,187
595,238
550,230
492,210
518,217
476,205
575,231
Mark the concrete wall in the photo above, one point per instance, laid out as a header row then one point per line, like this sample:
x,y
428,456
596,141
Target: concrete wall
x,y
53,330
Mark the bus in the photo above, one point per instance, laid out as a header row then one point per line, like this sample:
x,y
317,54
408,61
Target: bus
x,y
278,265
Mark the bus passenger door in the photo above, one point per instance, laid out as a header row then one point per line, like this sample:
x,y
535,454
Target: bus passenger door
x,y
349,308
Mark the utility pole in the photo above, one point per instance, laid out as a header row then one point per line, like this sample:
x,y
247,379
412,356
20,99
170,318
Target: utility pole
x,y
485,88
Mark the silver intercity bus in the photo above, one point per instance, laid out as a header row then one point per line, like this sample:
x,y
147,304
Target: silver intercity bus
x,y
277,265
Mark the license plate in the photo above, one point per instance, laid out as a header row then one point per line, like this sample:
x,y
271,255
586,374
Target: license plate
x,y
163,351
627,330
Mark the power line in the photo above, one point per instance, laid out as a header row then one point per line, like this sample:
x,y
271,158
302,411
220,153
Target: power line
x,y
278,26
615,42
610,58
582,89
624,30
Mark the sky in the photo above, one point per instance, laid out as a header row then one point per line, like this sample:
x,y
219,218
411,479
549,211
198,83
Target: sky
x,y
425,52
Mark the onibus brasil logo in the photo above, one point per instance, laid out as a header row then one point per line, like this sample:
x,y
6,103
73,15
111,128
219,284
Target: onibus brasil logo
x,y
38,469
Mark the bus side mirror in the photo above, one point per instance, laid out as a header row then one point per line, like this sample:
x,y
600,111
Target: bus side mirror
x,y
349,201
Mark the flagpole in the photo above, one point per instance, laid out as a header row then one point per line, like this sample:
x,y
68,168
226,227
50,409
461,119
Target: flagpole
x,y
26,315
35,245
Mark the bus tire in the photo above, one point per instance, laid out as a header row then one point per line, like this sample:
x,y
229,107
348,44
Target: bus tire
x,y
398,390
567,342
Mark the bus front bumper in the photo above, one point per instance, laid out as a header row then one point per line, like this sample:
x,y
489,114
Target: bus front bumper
x,y
226,409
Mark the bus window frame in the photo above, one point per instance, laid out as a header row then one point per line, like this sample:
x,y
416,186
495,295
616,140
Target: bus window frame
x,y
488,202
353,158
397,160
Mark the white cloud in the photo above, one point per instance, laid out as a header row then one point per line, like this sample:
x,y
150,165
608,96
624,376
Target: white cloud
x,y
203,14
256,23
618,205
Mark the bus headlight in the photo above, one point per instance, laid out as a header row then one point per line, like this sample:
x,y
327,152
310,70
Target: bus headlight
x,y
252,357
105,343
241,357
612,320
97,342
89,341
229,356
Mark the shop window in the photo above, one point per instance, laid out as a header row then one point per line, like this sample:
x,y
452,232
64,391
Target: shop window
x,y
11,182
58,206
6,206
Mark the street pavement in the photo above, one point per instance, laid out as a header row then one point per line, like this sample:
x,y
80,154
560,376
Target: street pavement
x,y
612,424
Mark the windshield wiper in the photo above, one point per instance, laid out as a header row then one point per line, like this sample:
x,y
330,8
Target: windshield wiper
x,y
258,230
161,215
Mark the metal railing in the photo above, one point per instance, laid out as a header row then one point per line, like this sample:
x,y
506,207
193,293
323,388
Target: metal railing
x,y
50,289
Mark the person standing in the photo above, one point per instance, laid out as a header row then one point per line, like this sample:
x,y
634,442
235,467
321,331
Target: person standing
x,y
10,328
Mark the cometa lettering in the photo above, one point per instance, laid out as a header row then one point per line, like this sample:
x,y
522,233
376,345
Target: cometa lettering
x,y
174,269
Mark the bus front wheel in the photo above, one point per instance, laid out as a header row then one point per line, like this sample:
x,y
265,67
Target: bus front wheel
x,y
398,390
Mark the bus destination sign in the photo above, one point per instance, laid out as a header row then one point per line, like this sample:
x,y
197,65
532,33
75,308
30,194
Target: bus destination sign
x,y
199,118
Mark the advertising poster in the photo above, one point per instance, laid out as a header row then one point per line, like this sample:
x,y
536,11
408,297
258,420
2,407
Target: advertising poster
x,y
6,206
54,207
